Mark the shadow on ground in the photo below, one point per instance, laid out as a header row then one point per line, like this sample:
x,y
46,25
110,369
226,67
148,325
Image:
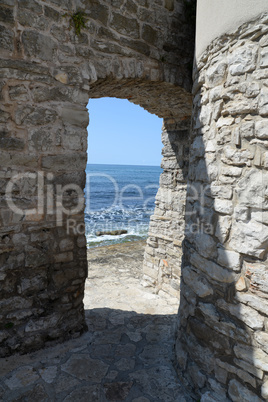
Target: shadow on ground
x,y
124,356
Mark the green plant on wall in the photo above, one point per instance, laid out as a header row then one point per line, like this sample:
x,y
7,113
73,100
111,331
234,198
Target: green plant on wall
x,y
77,20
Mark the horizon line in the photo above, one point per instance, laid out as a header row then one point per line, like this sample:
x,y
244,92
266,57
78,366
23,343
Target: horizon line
x,y
121,164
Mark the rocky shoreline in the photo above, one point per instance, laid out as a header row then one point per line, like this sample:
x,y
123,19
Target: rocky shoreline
x,y
115,257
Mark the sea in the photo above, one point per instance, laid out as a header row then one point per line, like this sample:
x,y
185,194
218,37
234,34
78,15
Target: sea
x,y
119,197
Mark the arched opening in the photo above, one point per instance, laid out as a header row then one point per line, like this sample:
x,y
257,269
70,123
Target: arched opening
x,y
123,170
131,326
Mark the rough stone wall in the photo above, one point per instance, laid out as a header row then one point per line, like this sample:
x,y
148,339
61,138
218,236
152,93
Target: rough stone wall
x,y
222,334
138,50
163,254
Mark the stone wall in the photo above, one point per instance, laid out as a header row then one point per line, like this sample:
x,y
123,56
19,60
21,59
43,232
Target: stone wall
x,y
163,254
137,50
222,333
141,51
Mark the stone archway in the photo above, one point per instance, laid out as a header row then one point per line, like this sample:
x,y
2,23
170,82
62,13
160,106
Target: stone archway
x,y
49,73
140,52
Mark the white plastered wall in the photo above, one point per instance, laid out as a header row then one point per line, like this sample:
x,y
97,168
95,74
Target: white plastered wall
x,y
216,17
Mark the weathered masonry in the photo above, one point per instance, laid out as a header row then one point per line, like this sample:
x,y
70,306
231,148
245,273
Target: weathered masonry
x,y
218,238
141,51
222,334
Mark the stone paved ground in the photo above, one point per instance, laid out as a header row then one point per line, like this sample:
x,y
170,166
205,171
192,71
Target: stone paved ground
x,y
125,356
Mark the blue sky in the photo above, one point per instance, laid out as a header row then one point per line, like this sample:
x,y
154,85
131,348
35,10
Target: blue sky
x,y
122,133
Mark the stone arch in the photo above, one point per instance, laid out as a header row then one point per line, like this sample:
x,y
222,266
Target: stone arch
x,y
49,73
140,51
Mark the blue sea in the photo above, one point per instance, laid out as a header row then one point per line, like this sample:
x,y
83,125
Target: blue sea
x,y
119,197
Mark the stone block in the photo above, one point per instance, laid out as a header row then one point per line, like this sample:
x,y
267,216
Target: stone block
x,y
36,258
131,7
254,301
246,129
59,93
252,355
263,102
76,117
238,392
42,323
229,259
221,191
249,238
31,5
241,284
28,18
97,11
117,3
51,13
74,139
41,140
73,162
201,355
244,313
249,368
169,5
221,374
126,26
198,378
237,157
264,57
250,89
213,270
149,35
261,129
264,41
35,116
210,396
224,121
228,368
11,144
205,245
15,303
223,206
37,45
64,4
260,336
18,92
264,390
78,178
64,257
6,15
216,74
203,117
265,160
196,282
241,106
223,228
66,245
4,116
250,190
64,277
32,285
231,171
258,274
137,45
243,59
